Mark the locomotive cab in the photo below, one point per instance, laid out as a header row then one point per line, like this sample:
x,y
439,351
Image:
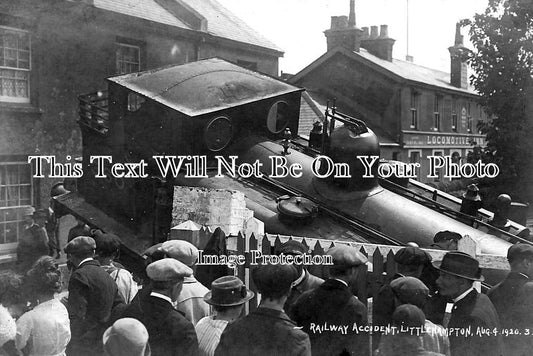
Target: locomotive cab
x,y
194,109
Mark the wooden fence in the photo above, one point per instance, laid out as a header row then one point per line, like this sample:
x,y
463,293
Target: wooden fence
x,y
381,266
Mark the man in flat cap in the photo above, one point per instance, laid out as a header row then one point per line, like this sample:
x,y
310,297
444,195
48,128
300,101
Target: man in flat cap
x,y
306,281
446,240
267,330
91,298
411,290
33,243
170,332
467,309
191,299
333,303
513,299
410,262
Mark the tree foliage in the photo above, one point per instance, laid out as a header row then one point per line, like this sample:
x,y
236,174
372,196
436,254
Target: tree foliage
x,y
503,64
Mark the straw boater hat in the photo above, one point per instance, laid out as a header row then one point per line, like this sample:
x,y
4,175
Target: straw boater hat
x,y
228,291
461,265
472,193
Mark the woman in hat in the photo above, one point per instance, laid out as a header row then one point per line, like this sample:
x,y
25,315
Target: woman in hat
x,y
45,330
227,296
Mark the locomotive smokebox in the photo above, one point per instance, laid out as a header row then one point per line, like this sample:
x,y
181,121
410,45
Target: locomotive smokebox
x,y
348,145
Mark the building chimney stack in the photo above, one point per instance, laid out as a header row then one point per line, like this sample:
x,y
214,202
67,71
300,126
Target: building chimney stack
x,y
458,57
378,44
343,32
458,36
384,31
351,18
365,33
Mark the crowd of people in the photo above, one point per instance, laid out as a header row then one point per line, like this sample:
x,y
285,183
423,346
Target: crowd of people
x,y
427,307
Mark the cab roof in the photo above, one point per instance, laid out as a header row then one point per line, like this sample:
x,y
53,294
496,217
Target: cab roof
x,y
205,86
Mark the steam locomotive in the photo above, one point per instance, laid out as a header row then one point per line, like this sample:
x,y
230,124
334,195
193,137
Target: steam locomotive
x,y
221,112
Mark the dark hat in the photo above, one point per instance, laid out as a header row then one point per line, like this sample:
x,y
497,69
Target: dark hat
x,y
167,270
408,315
519,251
346,256
472,193
58,189
28,211
80,245
410,290
411,255
447,235
181,250
41,213
460,264
274,278
292,247
228,291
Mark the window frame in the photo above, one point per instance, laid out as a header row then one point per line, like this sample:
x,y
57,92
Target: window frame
x,y
18,208
454,115
124,44
469,119
15,99
437,107
415,103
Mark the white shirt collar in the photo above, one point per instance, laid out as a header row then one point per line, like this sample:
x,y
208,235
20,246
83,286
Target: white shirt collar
x,y
161,296
300,279
340,280
523,274
455,300
85,260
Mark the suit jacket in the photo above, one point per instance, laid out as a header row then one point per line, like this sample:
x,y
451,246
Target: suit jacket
x,y
309,282
170,333
32,245
332,304
475,311
265,332
513,300
191,300
92,295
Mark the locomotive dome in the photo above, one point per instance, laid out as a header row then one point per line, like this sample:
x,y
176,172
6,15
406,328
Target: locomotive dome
x,y
347,144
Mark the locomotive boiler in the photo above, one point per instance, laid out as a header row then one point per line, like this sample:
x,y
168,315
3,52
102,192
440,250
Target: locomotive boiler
x,y
226,115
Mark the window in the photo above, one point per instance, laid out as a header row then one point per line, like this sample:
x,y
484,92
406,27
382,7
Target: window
x,y
15,195
414,157
436,112
454,114
128,58
469,117
414,110
440,171
14,65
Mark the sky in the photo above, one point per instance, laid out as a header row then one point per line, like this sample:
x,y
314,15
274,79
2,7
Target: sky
x,y
297,26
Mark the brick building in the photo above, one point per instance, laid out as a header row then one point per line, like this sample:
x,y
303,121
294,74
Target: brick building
x,y
53,50
415,111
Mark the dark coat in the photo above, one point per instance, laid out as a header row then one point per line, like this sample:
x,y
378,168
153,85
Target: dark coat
x,y
473,312
329,305
92,293
170,333
32,245
263,332
513,300
309,282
